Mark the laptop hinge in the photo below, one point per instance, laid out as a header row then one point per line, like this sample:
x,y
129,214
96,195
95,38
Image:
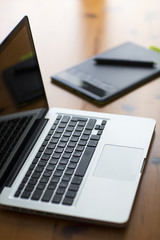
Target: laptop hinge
x,y
23,153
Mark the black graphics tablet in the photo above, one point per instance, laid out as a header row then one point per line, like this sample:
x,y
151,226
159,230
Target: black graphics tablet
x,y
105,82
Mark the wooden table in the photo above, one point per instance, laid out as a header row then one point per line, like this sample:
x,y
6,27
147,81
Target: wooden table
x,y
67,32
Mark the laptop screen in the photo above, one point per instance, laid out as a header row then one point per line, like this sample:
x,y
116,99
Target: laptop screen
x,y
21,90
21,86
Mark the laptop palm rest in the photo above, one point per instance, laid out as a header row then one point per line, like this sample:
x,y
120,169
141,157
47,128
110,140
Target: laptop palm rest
x,y
119,163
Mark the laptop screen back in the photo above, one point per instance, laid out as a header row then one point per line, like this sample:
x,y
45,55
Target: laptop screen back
x,y
21,87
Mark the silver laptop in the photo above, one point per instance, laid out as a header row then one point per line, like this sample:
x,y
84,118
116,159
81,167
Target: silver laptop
x,y
66,163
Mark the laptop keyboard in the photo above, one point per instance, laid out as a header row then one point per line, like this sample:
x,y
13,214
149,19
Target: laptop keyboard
x,y
10,133
57,171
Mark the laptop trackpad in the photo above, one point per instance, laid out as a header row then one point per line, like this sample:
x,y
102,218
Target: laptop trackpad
x,y
119,162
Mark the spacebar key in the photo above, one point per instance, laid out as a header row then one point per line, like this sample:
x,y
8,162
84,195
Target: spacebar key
x,y
86,158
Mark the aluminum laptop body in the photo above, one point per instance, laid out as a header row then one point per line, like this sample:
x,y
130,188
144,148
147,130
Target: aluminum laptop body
x,y
91,174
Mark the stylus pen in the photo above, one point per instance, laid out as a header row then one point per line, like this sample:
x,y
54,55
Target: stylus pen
x,y
124,62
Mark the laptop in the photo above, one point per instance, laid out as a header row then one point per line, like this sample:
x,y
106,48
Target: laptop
x,y
65,163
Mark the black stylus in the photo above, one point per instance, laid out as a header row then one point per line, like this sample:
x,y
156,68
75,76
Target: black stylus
x,y
124,62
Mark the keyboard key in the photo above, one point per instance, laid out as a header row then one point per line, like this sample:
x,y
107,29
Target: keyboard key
x,y
86,158
79,128
90,124
72,144
101,127
74,119
65,119
50,167
80,148
63,184
74,159
21,186
54,140
53,161
68,201
64,139
48,151
47,195
72,124
60,190
81,124
56,155
66,155
53,127
47,173
77,180
84,137
82,119
51,132
64,161
35,160
56,122
41,186
72,165
44,180
59,130
37,194
62,125
29,188
28,173
25,194
59,150
57,198
62,144
44,143
69,129
47,138
32,166
87,132
59,117
69,150
33,181
41,149
57,135
36,175
76,134
58,173
25,179
39,169
77,154
74,139
66,178
99,132
104,122
42,163
95,137
73,187
51,146
61,167
69,171
92,143
67,134
52,186
17,194
45,157
82,143
71,194
55,179
97,127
